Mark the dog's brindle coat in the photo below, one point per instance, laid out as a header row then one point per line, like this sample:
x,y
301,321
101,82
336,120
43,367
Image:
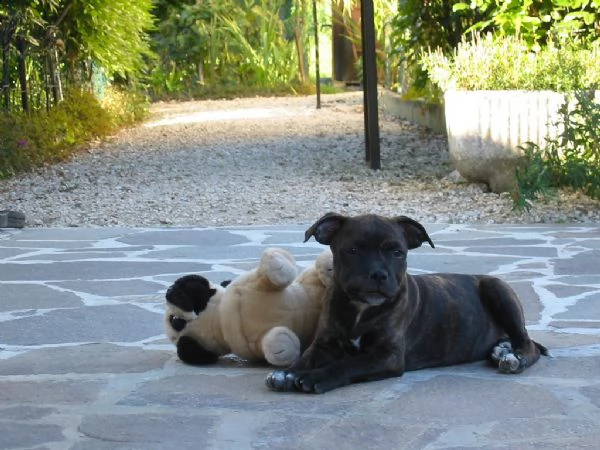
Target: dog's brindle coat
x,y
379,322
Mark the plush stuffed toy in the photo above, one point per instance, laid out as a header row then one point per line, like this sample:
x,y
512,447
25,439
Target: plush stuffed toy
x,y
267,314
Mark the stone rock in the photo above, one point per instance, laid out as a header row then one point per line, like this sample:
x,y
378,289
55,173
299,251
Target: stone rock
x,y
12,219
456,177
486,128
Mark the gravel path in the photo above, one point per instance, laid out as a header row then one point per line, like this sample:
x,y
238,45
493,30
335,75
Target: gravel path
x,y
264,161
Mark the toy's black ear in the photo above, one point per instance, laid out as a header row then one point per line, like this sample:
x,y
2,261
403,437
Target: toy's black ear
x,y
325,228
413,231
190,293
191,352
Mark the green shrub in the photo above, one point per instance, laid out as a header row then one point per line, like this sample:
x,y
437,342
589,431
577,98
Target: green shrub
x,y
570,160
81,117
29,141
488,63
125,107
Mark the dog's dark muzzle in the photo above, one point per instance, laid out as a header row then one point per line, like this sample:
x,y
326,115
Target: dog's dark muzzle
x,y
375,289
373,298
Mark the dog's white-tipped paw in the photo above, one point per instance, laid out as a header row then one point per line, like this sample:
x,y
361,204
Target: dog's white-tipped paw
x,y
500,351
510,363
280,380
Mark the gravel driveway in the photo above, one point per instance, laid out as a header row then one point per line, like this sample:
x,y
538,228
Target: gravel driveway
x,y
264,161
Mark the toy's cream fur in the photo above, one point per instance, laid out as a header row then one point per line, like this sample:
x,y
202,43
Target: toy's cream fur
x,y
267,314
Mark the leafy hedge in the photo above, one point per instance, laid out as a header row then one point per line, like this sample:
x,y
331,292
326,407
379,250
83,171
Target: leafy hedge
x,y
492,63
30,141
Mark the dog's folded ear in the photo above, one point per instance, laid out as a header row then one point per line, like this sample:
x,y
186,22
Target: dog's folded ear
x,y
325,228
414,232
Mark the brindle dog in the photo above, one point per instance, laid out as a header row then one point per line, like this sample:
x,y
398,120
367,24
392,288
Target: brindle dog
x,y
379,321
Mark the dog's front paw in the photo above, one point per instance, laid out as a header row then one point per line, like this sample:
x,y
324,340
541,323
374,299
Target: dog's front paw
x,y
281,380
310,382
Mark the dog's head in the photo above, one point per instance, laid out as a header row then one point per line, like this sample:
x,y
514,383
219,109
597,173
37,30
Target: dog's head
x,y
369,253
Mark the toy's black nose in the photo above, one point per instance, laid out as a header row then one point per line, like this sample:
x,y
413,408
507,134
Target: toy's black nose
x,y
177,323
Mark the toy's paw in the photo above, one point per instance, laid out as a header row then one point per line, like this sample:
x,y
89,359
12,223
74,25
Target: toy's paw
x,y
281,346
278,266
324,267
190,293
191,352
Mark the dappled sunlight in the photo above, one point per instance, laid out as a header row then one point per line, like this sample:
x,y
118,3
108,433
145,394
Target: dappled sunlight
x,y
225,115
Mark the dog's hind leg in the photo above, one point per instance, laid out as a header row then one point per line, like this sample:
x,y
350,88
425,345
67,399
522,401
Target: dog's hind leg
x,y
504,306
500,350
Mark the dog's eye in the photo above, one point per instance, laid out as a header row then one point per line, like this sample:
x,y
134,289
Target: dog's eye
x,y
397,253
352,251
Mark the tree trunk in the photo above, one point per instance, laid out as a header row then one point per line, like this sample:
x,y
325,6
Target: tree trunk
x,y
345,53
6,75
299,36
21,45
300,50
7,30
48,81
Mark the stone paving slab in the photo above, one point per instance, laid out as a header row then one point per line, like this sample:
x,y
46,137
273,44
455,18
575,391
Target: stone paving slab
x,y
84,363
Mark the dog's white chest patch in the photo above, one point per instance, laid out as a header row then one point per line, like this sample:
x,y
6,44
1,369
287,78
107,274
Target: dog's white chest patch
x,y
356,342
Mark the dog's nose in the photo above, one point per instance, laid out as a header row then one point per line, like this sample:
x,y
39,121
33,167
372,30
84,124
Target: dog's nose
x,y
378,275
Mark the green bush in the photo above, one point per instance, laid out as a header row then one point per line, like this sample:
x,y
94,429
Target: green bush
x,y
443,25
125,107
570,160
29,141
488,63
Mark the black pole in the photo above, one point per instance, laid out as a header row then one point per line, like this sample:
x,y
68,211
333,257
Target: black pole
x,y
317,64
369,68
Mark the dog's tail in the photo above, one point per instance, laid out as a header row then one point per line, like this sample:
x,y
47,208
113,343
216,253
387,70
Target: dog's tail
x,y
543,350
